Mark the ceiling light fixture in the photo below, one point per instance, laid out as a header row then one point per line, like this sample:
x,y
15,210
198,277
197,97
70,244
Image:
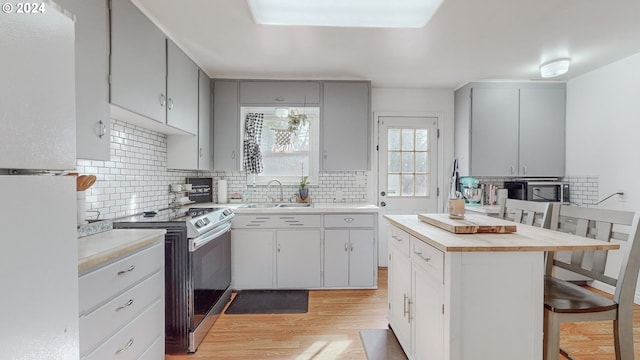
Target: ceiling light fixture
x,y
341,13
555,68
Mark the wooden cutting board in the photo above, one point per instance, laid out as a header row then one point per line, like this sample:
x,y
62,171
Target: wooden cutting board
x,y
471,224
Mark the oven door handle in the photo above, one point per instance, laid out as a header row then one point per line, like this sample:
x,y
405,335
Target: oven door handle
x,y
195,244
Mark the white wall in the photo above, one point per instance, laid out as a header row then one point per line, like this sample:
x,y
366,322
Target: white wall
x,y
412,101
603,133
603,129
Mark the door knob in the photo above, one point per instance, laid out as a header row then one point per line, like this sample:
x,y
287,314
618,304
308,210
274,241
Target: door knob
x,y
383,204
382,193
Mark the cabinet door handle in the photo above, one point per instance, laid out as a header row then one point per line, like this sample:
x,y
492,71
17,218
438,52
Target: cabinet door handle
x,y
410,315
233,154
427,259
351,247
128,345
170,104
162,100
346,247
325,154
513,170
126,305
279,99
201,152
524,169
278,247
102,129
129,269
396,238
404,305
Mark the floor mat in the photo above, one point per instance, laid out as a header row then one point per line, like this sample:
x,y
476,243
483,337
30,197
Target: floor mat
x,y
381,344
269,302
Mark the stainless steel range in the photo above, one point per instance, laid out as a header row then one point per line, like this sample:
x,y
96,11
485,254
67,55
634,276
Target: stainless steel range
x,y
197,270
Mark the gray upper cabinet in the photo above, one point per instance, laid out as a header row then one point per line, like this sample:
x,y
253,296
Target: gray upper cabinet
x,y
511,129
205,122
138,62
279,93
182,90
542,131
494,131
187,152
92,74
345,143
226,125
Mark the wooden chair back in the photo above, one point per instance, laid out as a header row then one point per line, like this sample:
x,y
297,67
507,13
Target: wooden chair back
x,y
605,225
533,213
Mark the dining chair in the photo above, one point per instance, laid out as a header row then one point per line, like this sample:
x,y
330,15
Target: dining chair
x,y
526,212
565,301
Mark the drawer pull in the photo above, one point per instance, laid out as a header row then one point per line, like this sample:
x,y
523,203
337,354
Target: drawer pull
x,y
348,220
122,307
427,259
129,269
124,348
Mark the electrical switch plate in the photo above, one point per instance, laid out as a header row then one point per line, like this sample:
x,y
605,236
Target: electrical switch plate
x,y
360,180
338,195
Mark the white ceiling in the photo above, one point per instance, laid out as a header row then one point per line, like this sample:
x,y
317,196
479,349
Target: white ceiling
x,y
466,40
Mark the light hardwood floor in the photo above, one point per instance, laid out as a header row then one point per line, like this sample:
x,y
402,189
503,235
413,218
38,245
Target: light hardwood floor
x,y
330,330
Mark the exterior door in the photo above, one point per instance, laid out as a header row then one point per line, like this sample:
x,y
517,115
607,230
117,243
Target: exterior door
x,y
407,166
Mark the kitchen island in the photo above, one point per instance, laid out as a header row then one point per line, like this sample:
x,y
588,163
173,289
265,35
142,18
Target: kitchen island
x,y
470,296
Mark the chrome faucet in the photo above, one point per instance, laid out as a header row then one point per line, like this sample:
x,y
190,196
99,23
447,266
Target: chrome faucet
x,y
281,192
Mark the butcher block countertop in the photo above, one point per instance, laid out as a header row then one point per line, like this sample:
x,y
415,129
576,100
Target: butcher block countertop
x,y
526,238
102,248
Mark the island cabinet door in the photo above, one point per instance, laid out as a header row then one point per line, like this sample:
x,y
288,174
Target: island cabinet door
x,y
427,315
400,296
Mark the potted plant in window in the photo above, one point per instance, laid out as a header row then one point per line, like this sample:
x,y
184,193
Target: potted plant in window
x,y
295,120
303,192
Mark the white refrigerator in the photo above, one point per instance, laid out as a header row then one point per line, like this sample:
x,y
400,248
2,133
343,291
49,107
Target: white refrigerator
x,y
38,238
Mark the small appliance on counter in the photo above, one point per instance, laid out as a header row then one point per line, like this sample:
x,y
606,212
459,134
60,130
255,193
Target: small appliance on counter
x,y
538,190
471,190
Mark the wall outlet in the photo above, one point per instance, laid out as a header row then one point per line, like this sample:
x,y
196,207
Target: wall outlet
x,y
338,195
361,180
621,198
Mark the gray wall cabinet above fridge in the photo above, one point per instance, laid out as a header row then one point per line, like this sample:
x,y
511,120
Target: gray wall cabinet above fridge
x,y
93,127
510,129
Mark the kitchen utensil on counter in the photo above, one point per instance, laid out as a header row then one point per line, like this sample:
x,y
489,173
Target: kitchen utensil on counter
x,y
83,182
471,190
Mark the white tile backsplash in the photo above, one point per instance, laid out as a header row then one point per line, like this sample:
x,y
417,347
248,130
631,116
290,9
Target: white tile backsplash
x,y
136,178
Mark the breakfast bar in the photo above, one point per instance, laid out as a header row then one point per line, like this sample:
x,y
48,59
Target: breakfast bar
x,y
471,296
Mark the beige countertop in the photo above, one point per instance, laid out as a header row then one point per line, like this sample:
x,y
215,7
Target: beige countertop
x,y
95,250
315,208
526,238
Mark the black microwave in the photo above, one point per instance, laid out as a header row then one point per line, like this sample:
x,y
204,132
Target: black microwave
x,y
553,191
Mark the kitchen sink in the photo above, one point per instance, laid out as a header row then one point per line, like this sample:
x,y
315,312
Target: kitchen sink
x,y
275,205
294,205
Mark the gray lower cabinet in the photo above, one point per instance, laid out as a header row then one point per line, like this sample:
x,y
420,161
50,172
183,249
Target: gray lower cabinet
x,y
226,125
92,74
510,129
346,130
122,310
350,250
298,259
277,93
188,152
